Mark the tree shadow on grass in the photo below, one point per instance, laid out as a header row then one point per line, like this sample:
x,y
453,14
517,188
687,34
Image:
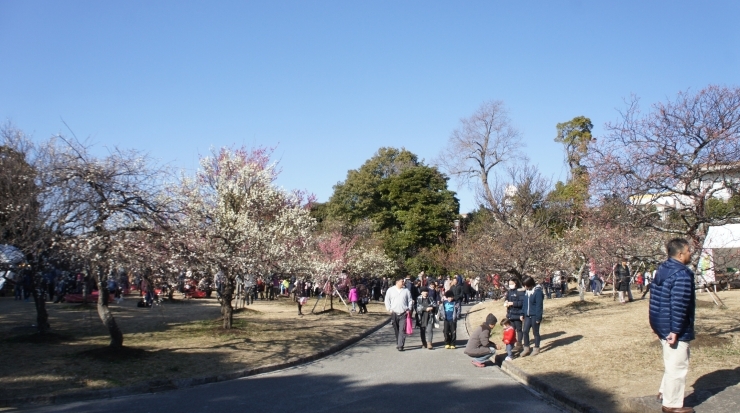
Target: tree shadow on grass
x,y
548,336
37,338
474,311
578,307
330,311
73,364
561,342
94,368
111,354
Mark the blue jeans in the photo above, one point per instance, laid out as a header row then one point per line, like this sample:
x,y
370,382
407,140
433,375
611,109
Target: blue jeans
x,y
509,348
531,323
483,359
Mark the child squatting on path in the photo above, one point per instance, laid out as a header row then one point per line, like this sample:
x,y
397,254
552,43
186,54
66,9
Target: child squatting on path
x,y
479,345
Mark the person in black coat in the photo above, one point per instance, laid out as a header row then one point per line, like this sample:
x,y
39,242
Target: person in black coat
x,y
467,292
514,300
458,294
426,307
622,275
433,294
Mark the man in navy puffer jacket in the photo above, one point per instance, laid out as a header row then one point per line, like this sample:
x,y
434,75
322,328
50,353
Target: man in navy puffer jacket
x,y
672,308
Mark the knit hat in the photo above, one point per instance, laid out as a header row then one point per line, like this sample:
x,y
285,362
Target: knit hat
x,y
491,319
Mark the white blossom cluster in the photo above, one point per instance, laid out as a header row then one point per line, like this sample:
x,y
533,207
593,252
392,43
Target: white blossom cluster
x,y
235,218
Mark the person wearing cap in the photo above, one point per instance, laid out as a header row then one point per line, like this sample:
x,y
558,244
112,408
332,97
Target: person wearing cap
x,y
425,308
479,344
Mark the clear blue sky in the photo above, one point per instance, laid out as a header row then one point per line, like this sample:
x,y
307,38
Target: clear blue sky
x,y
329,82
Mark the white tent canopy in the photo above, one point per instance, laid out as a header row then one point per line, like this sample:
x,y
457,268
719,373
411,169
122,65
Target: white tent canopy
x,y
725,236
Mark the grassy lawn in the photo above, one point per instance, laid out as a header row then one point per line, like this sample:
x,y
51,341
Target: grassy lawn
x,y
178,339
603,352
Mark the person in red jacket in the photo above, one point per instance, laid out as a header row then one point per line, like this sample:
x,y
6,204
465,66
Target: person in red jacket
x,y
509,337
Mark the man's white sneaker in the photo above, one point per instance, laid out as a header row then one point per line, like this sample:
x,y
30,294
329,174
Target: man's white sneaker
x,y
508,359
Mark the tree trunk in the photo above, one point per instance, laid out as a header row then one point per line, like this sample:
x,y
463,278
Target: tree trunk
x,y
226,310
329,294
116,336
582,283
614,286
42,316
84,291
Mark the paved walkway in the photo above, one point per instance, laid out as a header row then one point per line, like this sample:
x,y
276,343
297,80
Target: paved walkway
x,y
721,400
371,376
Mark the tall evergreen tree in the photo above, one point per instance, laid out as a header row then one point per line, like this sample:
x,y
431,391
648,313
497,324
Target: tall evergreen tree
x,y
407,202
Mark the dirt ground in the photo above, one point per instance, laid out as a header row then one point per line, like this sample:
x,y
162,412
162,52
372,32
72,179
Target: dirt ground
x,y
177,339
603,352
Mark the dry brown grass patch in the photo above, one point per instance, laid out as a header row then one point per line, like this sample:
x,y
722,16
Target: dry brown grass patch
x,y
602,352
174,340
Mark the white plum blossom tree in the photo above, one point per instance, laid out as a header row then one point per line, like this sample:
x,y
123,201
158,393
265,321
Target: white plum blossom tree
x,y
237,221
91,203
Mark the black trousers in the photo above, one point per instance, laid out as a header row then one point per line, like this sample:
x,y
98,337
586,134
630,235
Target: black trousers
x,y
517,324
450,332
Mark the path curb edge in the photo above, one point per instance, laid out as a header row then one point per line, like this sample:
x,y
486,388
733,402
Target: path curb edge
x,y
540,386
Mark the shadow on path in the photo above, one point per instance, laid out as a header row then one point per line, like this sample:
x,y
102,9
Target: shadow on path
x,y
323,393
370,376
712,384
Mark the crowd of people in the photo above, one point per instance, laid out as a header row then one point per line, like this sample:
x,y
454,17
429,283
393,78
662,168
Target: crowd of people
x,y
671,316
436,303
58,285
429,303
439,304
